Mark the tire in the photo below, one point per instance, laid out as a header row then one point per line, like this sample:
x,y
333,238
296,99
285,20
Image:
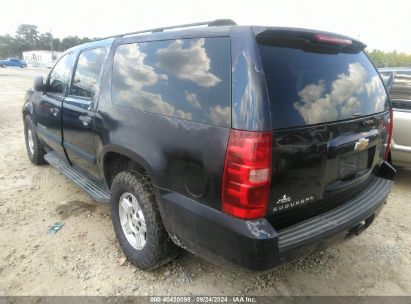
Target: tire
x,y
155,247
23,66
35,149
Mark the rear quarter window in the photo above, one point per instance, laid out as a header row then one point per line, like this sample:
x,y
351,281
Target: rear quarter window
x,y
184,78
308,88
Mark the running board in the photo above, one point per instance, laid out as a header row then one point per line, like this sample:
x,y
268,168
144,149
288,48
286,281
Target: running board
x,y
91,185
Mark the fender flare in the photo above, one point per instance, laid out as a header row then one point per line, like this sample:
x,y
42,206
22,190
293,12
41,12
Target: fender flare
x,y
110,148
27,109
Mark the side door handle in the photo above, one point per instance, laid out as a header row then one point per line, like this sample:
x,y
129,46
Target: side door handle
x,y
85,119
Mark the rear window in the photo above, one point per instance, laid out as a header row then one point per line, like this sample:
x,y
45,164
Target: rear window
x,y
308,87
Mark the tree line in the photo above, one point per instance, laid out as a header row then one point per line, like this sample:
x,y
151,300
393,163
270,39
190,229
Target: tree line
x,y
383,59
28,38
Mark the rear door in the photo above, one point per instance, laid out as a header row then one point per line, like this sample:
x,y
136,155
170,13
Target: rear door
x,y
48,107
79,110
329,114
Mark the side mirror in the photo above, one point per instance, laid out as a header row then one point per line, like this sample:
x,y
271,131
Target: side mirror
x,y
39,85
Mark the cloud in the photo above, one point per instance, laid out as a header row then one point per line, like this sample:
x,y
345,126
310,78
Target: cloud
x,y
347,85
135,76
91,60
182,114
147,101
88,68
373,85
317,106
312,92
351,106
190,63
138,73
192,99
380,102
374,88
219,115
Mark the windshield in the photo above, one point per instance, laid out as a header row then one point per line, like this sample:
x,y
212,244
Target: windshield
x,y
312,87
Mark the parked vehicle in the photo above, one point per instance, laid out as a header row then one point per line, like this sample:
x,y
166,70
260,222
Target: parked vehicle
x,y
250,145
398,83
13,62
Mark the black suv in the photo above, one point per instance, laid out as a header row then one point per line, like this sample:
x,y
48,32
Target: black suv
x,y
251,145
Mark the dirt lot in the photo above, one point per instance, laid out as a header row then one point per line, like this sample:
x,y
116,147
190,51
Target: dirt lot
x,y
84,258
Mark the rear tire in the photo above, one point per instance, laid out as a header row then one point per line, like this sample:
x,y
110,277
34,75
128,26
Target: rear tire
x,y
137,222
35,149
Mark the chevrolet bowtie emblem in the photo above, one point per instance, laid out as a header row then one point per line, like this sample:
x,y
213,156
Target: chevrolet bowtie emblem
x,y
361,144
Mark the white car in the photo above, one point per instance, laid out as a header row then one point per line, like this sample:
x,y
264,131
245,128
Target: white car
x,y
398,83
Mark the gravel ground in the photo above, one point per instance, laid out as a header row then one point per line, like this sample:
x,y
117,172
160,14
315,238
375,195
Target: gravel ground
x,y
84,258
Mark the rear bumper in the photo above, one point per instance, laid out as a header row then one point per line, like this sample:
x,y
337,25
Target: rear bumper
x,y
255,244
335,225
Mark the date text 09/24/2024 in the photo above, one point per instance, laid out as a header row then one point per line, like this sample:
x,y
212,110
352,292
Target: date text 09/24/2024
x,y
203,299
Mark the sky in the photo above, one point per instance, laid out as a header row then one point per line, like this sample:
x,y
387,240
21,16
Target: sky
x,y
384,25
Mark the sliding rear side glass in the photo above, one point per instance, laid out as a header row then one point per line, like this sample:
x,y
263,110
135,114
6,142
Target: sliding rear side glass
x,y
311,83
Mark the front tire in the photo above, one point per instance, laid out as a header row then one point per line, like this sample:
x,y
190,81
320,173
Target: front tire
x,y
137,222
35,149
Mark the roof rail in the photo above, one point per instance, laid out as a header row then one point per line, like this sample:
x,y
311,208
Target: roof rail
x,y
217,22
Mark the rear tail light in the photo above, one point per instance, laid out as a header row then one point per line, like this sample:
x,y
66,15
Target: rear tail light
x,y
389,126
330,39
247,174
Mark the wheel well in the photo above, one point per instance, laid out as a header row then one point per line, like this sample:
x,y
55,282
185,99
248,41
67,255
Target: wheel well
x,y
114,163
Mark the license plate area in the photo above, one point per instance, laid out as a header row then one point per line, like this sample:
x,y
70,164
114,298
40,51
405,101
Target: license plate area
x,y
351,165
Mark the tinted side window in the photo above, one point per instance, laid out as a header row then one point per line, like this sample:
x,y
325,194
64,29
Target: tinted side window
x,y
184,78
400,92
87,72
60,75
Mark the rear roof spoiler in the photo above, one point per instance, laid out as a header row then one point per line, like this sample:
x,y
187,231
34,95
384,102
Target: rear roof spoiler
x,y
296,38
